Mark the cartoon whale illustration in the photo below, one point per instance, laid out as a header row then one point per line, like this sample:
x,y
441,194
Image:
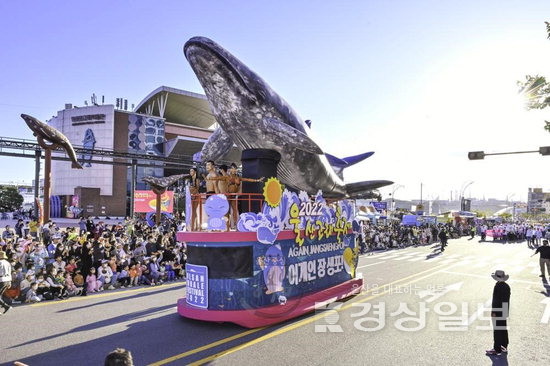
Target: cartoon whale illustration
x,y
251,115
49,134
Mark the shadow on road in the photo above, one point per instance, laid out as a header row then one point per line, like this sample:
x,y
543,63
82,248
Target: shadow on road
x,y
148,340
501,360
433,254
117,299
546,291
101,324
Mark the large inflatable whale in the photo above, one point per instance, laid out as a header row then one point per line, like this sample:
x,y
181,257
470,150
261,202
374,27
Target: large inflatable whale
x,y
251,115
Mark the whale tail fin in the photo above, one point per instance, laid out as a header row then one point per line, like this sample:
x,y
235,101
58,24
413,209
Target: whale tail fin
x,y
340,164
361,189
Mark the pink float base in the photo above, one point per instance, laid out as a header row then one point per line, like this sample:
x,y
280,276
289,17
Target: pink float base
x,y
254,318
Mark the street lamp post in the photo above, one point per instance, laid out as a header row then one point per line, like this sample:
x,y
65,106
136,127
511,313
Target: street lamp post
x,y
393,196
462,206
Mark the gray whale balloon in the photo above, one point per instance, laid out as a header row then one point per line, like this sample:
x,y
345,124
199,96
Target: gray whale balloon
x,y
48,133
251,115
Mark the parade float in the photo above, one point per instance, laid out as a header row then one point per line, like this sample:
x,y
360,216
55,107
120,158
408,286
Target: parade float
x,y
279,263
293,245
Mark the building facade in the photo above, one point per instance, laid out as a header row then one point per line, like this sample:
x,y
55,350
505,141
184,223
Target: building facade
x,y
167,123
538,201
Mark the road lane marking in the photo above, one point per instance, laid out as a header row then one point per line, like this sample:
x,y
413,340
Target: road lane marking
x,y
307,321
372,264
290,326
205,347
107,294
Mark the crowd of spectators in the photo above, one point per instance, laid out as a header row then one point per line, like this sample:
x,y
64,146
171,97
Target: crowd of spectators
x,y
395,235
517,231
52,263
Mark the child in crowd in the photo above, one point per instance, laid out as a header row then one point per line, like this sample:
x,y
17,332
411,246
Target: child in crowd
x,y
133,273
94,285
106,275
178,269
170,273
72,289
71,266
32,294
78,279
144,270
124,277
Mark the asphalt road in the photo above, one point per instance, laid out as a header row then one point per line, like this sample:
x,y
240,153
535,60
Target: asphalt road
x,y
451,289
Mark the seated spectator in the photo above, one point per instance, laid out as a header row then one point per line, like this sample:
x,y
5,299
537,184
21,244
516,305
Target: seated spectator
x,y
72,289
94,285
78,279
134,277
124,277
70,268
106,275
57,289
59,263
32,295
170,273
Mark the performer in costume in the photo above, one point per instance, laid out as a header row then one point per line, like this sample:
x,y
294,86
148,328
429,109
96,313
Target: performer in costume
x,y
194,184
233,187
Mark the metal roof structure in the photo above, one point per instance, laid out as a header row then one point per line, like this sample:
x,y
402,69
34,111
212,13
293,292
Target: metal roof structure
x,y
178,106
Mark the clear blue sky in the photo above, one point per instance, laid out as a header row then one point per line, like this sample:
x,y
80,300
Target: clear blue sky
x,y
419,82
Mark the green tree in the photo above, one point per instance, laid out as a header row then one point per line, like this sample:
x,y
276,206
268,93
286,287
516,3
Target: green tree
x,y
536,89
10,199
505,215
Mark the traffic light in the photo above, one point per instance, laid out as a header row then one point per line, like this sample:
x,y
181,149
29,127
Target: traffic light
x,y
477,155
544,150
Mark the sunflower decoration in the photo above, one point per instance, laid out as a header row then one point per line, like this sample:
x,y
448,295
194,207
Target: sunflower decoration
x,y
273,192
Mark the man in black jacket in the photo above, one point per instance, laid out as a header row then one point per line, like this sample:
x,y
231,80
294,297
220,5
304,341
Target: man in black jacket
x,y
544,257
499,313
443,237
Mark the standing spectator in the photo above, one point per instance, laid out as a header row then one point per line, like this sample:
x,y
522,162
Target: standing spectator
x,y
544,251
443,237
19,228
499,313
33,228
82,226
5,279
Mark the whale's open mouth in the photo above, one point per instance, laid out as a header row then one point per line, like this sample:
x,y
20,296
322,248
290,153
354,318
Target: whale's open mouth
x,y
199,49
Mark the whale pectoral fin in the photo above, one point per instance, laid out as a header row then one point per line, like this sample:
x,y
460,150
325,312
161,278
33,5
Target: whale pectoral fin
x,y
358,188
291,136
217,145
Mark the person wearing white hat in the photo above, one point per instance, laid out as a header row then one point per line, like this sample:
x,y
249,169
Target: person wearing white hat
x,y
499,313
5,279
